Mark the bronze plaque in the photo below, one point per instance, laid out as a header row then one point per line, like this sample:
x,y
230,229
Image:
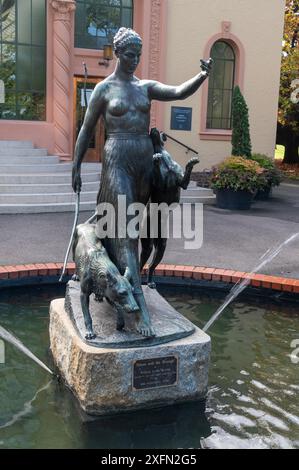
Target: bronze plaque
x,y
155,372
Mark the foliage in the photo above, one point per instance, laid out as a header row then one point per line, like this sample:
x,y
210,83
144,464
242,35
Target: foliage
x,y
291,25
289,171
238,173
288,113
241,143
271,172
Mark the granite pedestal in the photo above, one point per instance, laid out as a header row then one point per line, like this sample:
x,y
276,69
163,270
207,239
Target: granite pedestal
x,y
122,371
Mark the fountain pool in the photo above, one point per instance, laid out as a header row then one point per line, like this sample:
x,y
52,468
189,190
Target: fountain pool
x,y
253,386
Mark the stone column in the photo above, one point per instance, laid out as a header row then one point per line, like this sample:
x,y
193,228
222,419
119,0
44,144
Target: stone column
x,y
62,59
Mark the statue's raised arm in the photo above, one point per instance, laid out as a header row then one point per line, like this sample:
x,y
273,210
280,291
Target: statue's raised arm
x,y
161,92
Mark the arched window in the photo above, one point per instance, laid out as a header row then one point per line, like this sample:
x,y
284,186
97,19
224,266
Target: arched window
x,y
98,20
221,84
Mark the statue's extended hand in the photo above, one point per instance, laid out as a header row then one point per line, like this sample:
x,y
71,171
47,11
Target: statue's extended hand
x,y
76,180
206,65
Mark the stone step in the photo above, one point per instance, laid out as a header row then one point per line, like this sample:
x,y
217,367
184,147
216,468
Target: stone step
x,y
45,208
197,195
37,188
32,160
197,191
5,144
47,178
22,152
45,168
51,198
198,200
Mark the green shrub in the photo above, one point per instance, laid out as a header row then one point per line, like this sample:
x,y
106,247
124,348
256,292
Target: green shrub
x,y
273,175
238,173
241,143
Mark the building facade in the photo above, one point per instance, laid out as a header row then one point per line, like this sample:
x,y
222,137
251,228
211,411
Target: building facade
x,y
44,45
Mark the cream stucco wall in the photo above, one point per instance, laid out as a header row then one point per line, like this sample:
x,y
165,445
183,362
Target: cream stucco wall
x,y
258,24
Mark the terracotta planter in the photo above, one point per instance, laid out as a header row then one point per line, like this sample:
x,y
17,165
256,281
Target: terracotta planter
x,y
230,199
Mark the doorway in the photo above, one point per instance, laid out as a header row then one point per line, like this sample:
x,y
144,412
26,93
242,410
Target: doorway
x,y
97,141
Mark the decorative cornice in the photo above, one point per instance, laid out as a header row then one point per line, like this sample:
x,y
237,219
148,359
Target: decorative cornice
x,y
63,8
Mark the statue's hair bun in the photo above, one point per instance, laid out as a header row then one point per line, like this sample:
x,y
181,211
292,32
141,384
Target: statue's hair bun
x,y
125,36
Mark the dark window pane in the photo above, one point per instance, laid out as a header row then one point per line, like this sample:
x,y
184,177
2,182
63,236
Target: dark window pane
x,y
227,103
31,106
24,67
7,112
221,84
228,74
126,18
38,22
8,65
24,21
127,3
10,99
106,3
97,21
22,64
38,68
229,53
7,21
80,19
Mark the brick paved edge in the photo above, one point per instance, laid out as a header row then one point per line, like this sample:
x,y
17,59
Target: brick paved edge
x,y
25,271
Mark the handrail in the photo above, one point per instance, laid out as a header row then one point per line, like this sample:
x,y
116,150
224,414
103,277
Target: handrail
x,y
181,143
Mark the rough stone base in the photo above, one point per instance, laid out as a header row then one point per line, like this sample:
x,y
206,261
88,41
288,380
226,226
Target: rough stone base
x,y
102,379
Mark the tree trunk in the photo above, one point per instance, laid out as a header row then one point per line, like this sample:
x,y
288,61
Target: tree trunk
x,y
291,148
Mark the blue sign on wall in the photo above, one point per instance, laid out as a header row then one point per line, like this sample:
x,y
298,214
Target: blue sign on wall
x,y
181,118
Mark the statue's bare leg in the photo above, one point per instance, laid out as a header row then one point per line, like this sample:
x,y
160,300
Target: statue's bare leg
x,y
160,246
147,243
127,255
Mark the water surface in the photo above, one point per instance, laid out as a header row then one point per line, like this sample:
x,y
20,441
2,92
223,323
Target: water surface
x,y
253,387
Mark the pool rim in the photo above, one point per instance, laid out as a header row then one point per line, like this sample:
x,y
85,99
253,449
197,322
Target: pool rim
x,y
165,274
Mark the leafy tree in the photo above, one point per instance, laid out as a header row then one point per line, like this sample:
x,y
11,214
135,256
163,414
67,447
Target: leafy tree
x,y
288,113
241,142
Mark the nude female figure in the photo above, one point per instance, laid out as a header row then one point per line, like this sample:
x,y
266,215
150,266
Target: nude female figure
x,y
124,102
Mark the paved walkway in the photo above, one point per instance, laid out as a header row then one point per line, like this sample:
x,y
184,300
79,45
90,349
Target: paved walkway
x,y
232,239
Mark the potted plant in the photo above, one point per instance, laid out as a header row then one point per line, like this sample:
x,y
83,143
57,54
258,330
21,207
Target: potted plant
x,y
235,181
271,173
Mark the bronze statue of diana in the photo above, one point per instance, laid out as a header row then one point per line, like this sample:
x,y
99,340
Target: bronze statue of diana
x,y
124,102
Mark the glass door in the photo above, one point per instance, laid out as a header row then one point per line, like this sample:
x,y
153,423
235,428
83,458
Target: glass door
x,y
96,144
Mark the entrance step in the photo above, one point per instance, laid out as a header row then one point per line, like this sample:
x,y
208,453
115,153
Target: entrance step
x,y
5,144
197,195
46,188
33,182
54,198
27,160
43,168
22,152
47,178
44,208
